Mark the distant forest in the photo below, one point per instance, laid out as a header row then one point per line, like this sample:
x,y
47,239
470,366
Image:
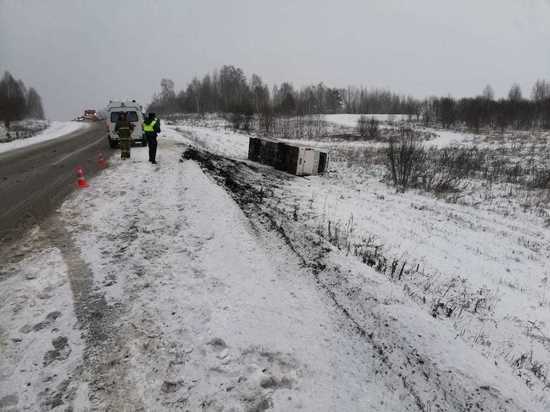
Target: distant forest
x,y
228,90
17,102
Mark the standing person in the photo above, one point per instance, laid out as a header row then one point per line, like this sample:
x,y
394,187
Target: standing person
x,y
124,130
151,128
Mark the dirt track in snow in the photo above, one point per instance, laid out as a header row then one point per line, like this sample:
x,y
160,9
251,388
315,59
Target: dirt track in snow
x,y
428,383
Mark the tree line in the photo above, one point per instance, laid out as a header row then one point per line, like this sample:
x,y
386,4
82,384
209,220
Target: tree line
x,y
228,90
484,111
361,100
17,102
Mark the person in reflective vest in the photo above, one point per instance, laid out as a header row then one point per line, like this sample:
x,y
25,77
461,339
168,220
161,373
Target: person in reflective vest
x,y
124,130
151,128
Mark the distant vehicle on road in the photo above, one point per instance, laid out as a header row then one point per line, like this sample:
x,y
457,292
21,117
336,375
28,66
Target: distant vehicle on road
x,y
91,115
135,116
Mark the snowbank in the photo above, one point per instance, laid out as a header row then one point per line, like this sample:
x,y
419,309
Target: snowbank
x,y
54,131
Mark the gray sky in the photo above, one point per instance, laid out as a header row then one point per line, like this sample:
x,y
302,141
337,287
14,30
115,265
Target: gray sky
x,y
80,54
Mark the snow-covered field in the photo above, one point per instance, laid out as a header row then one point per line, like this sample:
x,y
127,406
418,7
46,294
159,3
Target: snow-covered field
x,y
55,130
350,120
212,283
216,140
443,138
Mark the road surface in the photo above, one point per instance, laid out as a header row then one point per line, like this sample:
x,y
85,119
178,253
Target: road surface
x,y
35,179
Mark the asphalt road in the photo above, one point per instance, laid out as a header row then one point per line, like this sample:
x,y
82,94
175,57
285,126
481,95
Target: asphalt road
x,y
34,180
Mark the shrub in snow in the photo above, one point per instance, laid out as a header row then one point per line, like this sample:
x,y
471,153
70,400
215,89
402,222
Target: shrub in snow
x,y
362,125
406,160
367,127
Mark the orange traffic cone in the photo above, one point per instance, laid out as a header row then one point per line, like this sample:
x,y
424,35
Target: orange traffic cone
x,y
101,161
81,181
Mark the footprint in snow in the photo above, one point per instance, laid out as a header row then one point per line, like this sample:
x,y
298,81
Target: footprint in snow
x,y
50,318
61,351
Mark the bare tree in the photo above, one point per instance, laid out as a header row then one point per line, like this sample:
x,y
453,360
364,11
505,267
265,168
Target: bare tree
x,y
195,91
406,160
266,116
165,102
367,127
515,94
34,105
488,93
260,92
362,125
372,128
13,104
447,111
167,88
541,90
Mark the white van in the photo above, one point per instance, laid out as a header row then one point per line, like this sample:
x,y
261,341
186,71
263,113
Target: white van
x,y
135,116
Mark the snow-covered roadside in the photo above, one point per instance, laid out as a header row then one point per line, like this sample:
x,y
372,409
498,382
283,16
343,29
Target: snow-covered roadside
x,y
218,140
20,128
419,351
40,343
210,314
489,269
55,130
502,259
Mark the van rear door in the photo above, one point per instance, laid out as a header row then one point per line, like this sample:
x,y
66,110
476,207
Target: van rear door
x,y
134,117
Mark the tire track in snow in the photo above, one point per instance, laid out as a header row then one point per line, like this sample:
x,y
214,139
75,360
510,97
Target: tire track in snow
x,y
96,317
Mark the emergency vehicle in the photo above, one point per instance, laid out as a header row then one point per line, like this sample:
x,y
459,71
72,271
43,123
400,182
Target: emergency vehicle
x,y
90,115
135,116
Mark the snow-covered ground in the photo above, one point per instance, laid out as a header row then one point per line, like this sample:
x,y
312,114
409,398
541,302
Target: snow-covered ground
x,y
216,140
40,342
350,120
491,271
55,130
482,274
444,138
237,287
197,310
22,129
215,316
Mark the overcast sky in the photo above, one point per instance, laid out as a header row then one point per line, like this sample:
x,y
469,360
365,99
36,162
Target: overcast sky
x,y
80,54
